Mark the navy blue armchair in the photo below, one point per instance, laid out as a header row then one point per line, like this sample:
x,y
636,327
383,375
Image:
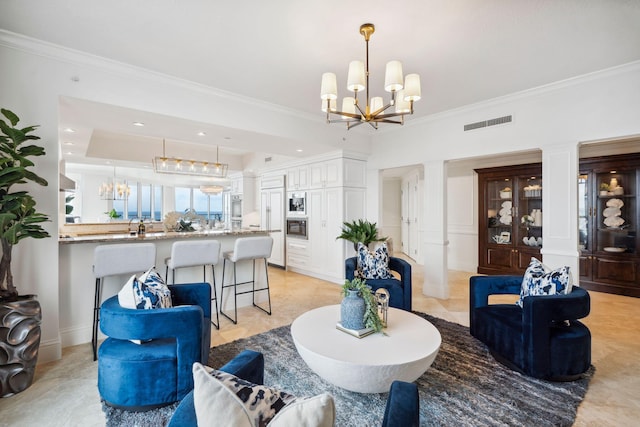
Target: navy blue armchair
x,y
399,289
543,339
158,371
402,408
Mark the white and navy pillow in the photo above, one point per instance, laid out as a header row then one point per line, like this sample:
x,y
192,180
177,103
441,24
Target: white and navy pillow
x,y
224,400
146,292
539,280
373,264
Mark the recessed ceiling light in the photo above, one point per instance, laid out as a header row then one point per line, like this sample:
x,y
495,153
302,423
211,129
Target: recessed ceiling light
x,y
69,130
201,133
299,150
68,143
138,124
68,152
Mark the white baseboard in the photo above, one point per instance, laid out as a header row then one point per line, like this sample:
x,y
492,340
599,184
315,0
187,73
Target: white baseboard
x,y
49,351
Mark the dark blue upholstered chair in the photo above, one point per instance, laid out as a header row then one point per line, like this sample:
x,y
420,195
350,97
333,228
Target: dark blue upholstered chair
x,y
157,372
399,290
402,409
535,339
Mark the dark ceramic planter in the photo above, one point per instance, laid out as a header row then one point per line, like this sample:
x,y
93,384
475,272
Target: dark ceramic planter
x,y
19,343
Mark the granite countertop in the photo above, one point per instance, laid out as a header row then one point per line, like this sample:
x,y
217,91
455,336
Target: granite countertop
x,y
128,237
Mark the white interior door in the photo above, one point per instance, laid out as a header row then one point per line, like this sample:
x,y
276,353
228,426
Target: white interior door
x,y
404,218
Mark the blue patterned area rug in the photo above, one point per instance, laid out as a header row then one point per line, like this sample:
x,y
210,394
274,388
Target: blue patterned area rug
x,y
464,386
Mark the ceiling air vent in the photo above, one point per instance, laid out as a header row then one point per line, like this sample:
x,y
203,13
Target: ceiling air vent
x,y
268,159
485,123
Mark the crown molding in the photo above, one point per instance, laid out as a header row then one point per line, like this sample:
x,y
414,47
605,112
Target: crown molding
x,y
633,66
72,56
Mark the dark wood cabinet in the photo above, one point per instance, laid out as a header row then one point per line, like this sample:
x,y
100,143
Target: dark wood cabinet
x,y
608,218
510,218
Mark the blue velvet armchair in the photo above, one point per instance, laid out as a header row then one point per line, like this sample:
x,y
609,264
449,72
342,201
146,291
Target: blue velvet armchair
x,y
158,371
399,289
402,408
543,339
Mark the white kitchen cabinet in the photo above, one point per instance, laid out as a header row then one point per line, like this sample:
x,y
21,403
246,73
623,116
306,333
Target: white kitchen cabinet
x,y
298,253
272,218
326,174
341,172
298,178
328,209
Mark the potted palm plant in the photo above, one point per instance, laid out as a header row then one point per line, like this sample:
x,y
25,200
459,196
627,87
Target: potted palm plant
x,y
360,231
20,315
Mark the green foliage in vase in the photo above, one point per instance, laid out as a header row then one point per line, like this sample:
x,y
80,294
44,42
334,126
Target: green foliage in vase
x,y
360,231
371,317
18,216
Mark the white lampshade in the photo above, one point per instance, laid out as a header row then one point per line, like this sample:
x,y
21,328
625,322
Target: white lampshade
x,y
402,106
393,76
412,87
376,104
332,105
355,78
348,106
329,87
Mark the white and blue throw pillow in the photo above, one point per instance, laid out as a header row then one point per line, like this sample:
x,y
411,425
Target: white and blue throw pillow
x,y
224,400
373,264
539,280
147,292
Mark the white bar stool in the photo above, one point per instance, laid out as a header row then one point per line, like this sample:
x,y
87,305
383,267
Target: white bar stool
x,y
247,248
112,260
192,254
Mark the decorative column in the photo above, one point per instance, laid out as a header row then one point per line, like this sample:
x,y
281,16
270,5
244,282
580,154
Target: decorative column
x,y
560,206
435,230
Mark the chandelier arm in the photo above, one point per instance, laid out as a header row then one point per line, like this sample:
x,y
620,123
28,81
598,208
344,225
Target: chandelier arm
x,y
389,121
385,116
353,124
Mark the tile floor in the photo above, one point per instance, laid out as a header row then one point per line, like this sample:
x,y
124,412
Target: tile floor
x,y
65,394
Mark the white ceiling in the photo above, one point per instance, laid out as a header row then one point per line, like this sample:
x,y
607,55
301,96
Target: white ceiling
x,y
465,51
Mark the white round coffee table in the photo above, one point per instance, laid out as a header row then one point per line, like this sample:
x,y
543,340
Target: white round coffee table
x,y
369,364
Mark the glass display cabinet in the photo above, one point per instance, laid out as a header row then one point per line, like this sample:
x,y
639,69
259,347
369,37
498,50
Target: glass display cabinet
x,y
510,218
608,217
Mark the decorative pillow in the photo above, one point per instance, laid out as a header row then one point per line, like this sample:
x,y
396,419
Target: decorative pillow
x,y
224,400
373,265
539,280
147,292
316,411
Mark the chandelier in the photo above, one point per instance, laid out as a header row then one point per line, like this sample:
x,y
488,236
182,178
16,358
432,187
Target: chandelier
x,y
111,189
403,93
175,165
211,189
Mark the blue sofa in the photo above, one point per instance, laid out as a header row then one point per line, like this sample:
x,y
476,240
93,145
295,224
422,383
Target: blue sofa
x,y
158,371
399,289
543,339
402,404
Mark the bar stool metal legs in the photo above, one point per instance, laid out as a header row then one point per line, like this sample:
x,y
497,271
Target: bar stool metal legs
x,y
253,290
247,248
97,298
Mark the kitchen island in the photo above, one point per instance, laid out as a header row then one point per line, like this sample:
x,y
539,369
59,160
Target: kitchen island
x,y
77,282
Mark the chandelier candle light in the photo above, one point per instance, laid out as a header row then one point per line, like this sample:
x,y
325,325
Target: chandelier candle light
x,y
114,190
404,91
179,166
